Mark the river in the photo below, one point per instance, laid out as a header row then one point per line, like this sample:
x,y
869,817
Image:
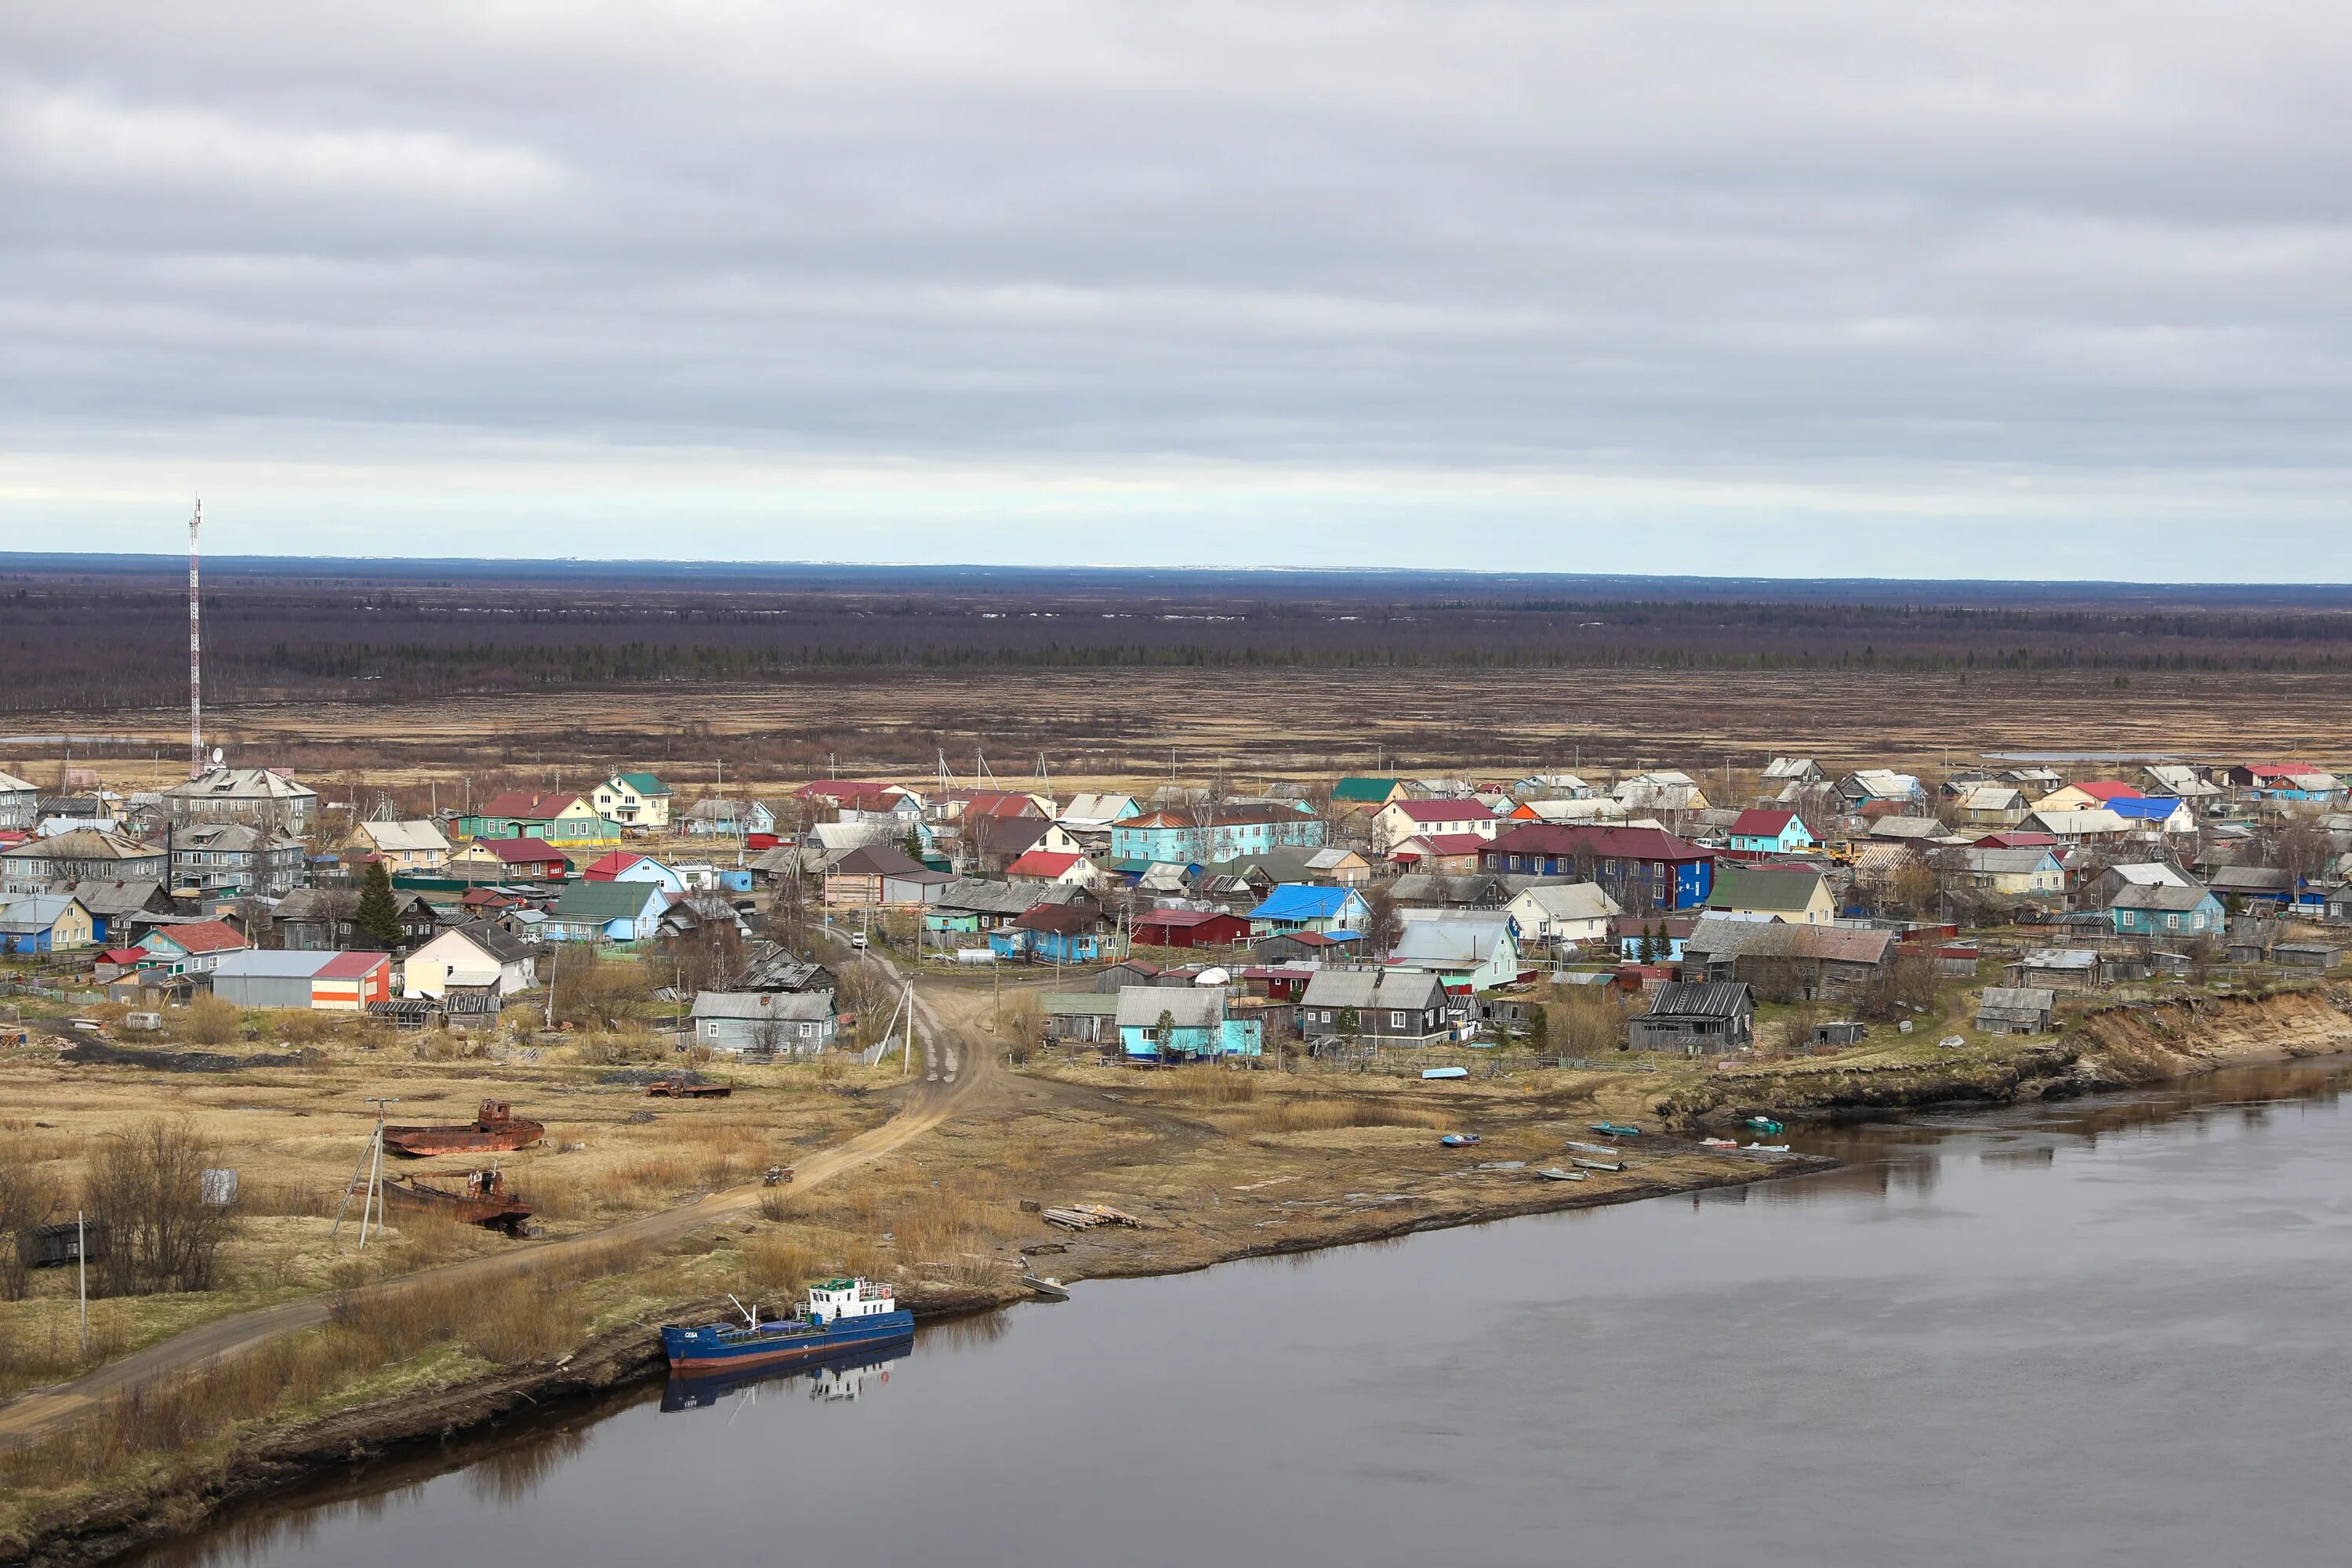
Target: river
x,y
2103,1331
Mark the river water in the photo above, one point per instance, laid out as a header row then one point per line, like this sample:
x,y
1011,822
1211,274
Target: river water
x,y
2105,1331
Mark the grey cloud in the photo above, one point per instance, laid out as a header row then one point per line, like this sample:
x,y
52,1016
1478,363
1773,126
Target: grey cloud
x,y
1940,248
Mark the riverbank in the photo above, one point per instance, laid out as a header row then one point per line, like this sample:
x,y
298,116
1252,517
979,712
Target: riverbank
x,y
1214,1167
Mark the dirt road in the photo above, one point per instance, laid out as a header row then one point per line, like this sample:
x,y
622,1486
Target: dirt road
x,y
961,1073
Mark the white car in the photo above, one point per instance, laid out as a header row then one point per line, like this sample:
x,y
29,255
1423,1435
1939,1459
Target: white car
x,y
857,939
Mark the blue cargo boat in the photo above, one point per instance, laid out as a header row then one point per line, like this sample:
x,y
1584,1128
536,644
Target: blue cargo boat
x,y
839,1314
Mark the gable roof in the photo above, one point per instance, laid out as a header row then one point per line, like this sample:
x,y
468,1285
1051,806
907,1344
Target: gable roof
x,y
1791,888
1363,790
1415,990
1043,863
1450,937
1603,843
2159,896
84,844
610,864
644,784
1572,900
201,936
602,902
2002,862
1302,902
523,851
2145,808
1716,937
494,940
35,912
106,899
1440,844
521,805
1442,811
876,860
403,836
1759,821
1187,1006
1700,999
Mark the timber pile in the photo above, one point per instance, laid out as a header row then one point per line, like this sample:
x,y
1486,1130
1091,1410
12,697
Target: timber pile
x,y
1085,1216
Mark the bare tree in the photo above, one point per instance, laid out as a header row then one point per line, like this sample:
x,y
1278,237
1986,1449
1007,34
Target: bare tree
x,y
27,1198
147,1184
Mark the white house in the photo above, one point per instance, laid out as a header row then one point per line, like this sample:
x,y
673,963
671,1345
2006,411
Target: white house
x,y
1556,913
1402,819
469,956
633,800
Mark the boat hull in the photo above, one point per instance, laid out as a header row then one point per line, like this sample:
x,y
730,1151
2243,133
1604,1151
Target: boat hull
x,y
702,1350
421,1142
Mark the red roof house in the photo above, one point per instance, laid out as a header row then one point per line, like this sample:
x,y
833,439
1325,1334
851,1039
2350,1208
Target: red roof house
x,y
1190,928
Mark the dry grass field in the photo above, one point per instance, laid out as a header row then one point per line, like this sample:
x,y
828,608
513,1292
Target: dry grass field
x,y
1138,727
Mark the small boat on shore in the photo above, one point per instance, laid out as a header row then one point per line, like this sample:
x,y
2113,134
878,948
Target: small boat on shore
x,y
1554,1174
679,1086
1597,1164
1764,1148
495,1130
470,1198
1719,1142
1050,1288
1601,1150
838,1314
1764,1124
1615,1129
1459,1140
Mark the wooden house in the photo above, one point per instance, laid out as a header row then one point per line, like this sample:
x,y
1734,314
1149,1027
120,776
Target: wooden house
x,y
1696,1018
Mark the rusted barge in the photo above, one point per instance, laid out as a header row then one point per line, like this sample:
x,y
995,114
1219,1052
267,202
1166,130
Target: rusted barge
x,y
494,1130
470,1198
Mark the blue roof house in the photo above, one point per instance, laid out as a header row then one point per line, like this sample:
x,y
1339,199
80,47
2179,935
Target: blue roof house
x,y
2166,812
1305,906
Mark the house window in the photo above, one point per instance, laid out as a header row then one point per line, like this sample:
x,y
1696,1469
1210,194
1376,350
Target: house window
x,y
2172,921
1396,1020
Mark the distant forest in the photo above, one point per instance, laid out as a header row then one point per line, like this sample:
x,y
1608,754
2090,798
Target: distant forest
x,y
110,632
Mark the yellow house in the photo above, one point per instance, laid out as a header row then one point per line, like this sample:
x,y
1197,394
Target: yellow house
x,y
633,800
1795,895
46,922
405,846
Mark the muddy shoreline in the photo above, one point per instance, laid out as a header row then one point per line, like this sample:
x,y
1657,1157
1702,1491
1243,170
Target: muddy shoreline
x,y
2118,1050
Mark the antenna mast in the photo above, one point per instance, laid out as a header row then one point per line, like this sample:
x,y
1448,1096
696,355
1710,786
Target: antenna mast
x,y
195,655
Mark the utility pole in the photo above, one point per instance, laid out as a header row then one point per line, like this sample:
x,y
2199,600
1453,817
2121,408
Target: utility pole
x,y
81,1263
371,1167
195,653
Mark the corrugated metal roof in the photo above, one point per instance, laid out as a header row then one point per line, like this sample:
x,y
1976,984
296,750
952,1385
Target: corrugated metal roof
x,y
1700,999
1192,1007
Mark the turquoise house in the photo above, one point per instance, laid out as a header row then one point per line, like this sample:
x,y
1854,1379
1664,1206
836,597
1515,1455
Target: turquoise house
x,y
1183,1023
1769,833
1201,837
2164,910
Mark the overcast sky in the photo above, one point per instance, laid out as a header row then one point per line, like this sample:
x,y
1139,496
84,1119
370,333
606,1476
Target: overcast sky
x,y
1797,287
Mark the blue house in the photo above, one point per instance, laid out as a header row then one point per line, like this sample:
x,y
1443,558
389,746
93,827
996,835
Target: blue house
x,y
605,911
1051,933
2165,910
1640,867
1305,906
1665,936
1183,1023
1769,833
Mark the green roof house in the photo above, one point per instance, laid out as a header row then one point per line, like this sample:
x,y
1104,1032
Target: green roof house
x,y
633,800
1366,794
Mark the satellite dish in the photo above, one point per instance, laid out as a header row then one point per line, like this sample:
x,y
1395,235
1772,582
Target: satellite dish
x,y
216,756
1212,977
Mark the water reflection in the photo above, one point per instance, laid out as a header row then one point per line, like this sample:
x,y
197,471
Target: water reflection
x,y
844,1375
2095,1331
